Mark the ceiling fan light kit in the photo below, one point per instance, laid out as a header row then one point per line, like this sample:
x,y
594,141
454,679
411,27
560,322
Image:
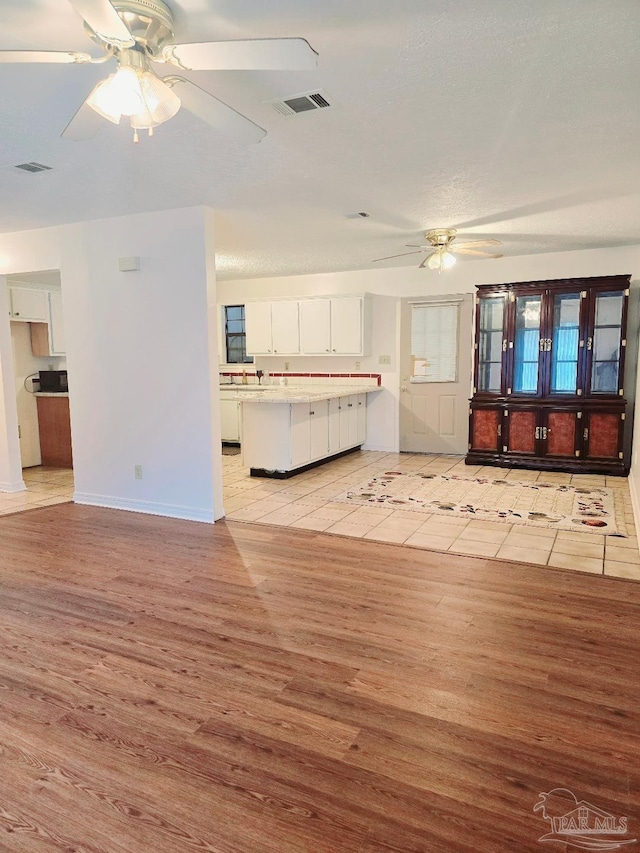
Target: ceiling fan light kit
x,y
138,32
134,91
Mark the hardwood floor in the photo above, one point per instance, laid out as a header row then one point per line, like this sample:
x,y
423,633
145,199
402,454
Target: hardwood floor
x,y
168,686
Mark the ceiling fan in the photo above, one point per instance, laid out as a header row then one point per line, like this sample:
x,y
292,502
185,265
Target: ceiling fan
x,y
136,33
441,249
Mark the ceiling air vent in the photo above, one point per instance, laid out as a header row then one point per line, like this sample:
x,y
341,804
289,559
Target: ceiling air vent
x,y
303,103
33,167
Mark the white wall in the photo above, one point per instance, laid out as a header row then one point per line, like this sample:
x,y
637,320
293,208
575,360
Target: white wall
x,y
138,356
410,281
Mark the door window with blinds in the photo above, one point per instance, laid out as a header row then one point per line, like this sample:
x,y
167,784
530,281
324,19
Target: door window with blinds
x,y
434,342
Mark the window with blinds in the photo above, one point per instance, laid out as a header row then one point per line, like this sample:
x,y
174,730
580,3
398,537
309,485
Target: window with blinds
x,y
434,342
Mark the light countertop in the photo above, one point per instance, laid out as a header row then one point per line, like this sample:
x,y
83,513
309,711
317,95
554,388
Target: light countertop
x,y
292,393
51,393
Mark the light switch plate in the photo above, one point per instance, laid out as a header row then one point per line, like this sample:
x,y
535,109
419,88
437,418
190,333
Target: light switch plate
x,y
384,359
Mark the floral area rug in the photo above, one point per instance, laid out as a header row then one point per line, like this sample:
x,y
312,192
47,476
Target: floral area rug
x,y
538,504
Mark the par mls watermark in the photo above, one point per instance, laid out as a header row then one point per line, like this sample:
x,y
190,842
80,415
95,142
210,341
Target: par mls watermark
x,y
577,823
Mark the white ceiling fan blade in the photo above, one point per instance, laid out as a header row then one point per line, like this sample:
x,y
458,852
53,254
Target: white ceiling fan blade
x,y
461,251
216,112
84,124
104,21
425,262
475,243
389,257
55,56
287,54
419,246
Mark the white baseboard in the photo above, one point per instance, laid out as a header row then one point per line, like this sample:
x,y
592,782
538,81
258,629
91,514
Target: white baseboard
x,y
167,510
635,499
13,487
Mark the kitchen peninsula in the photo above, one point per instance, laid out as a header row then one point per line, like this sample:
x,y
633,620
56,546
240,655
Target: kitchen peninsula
x,y
287,429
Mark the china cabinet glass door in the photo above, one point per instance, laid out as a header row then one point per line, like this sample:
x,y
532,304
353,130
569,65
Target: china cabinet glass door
x,y
564,344
527,343
605,342
490,349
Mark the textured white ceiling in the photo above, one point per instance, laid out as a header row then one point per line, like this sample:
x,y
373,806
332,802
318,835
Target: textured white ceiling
x,y
514,120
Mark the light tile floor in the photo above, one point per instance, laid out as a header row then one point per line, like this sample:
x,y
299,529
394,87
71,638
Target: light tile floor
x,y
306,501
45,486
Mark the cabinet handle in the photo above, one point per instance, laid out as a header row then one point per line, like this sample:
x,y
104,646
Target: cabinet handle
x,y
541,344
334,349
548,346
349,405
544,433
537,432
312,413
499,430
585,433
589,343
504,345
327,350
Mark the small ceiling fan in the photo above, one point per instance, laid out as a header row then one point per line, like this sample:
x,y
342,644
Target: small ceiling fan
x,y
441,249
137,33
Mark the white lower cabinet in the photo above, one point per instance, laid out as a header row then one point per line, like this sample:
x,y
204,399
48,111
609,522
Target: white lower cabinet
x,y
286,436
361,418
319,421
230,419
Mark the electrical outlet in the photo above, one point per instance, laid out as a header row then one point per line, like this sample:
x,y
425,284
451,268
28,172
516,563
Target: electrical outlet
x,y
286,365
358,366
384,359
137,472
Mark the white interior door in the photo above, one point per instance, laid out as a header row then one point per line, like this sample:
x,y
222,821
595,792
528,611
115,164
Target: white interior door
x,y
435,364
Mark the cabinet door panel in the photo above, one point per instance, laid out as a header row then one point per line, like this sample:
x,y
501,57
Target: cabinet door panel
x,y
603,343
344,422
561,434
319,418
334,425
58,346
258,327
362,418
300,434
521,431
603,438
564,343
485,429
526,344
285,329
315,326
229,420
346,325
28,304
490,344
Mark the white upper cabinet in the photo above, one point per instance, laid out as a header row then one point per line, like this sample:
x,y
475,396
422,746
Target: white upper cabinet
x,y
285,330
28,304
56,328
272,328
333,326
346,325
315,326
258,327
325,326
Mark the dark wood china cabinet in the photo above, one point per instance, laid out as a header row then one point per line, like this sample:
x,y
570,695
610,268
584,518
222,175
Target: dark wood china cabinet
x,y
549,375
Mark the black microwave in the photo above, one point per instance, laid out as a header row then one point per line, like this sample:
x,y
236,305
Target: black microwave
x,y
53,381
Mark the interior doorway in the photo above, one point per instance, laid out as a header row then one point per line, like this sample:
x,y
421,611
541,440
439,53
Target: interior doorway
x,y
41,391
435,367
